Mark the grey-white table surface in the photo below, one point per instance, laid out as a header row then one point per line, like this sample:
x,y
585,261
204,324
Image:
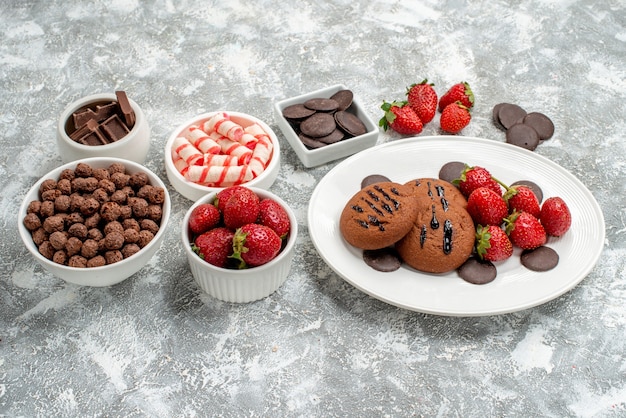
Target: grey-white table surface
x,y
155,345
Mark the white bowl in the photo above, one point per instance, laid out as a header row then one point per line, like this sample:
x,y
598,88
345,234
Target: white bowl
x,y
96,276
194,191
134,146
341,149
245,285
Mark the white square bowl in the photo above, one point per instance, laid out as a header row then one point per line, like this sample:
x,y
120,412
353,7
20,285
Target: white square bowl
x,y
341,149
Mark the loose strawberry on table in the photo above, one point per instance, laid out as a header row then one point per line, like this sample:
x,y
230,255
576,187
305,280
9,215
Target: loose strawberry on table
x,y
454,118
460,92
400,117
423,100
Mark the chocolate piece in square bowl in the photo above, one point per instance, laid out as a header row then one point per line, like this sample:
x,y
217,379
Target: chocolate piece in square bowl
x,y
312,157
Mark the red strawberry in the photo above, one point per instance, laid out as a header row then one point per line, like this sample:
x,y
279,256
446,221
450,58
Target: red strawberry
x,y
272,214
423,100
555,216
223,195
203,217
241,208
474,177
525,231
454,118
215,246
401,118
486,207
460,92
492,243
522,199
255,245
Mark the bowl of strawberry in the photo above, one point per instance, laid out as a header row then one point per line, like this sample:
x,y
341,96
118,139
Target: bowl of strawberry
x,y
239,243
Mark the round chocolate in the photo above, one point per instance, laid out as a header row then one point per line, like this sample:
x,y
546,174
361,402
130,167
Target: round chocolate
x,y
540,123
477,271
373,178
350,123
385,259
496,117
317,125
321,105
335,136
510,114
297,112
540,259
523,136
532,186
311,143
343,98
451,171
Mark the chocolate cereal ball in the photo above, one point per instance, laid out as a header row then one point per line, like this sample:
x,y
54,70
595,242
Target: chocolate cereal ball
x,y
145,237
47,209
47,250
73,246
39,236
113,256
83,170
110,211
46,185
113,226
53,223
101,173
59,257
117,168
130,249
58,240
32,222
65,186
149,225
77,261
97,261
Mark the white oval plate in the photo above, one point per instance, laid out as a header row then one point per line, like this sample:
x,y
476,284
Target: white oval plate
x,y
515,288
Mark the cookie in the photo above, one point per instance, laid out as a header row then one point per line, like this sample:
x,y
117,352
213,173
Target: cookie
x,y
378,215
442,236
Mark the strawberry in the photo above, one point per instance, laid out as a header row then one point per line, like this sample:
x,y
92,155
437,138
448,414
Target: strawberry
x,y
241,208
486,207
474,177
401,118
255,245
423,100
525,231
215,246
203,218
460,92
454,118
522,199
555,216
223,195
492,243
272,214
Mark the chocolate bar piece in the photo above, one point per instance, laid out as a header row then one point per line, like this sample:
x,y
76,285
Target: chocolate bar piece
x,y
114,128
126,108
102,112
91,134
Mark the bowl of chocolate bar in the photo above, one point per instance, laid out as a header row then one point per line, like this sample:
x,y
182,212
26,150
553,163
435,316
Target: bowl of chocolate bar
x,y
220,149
103,125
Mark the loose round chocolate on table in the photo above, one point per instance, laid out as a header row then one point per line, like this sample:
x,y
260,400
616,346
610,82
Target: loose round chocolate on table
x,y
312,143
297,112
496,117
321,104
372,179
523,136
319,124
385,259
343,98
532,186
540,259
540,123
451,171
477,271
350,123
510,114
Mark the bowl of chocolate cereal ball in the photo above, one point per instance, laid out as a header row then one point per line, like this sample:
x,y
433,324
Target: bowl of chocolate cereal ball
x,y
325,125
95,221
103,125
220,149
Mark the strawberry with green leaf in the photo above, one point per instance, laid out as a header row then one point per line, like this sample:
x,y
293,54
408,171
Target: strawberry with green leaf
x,y
400,117
460,92
423,100
492,243
525,231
